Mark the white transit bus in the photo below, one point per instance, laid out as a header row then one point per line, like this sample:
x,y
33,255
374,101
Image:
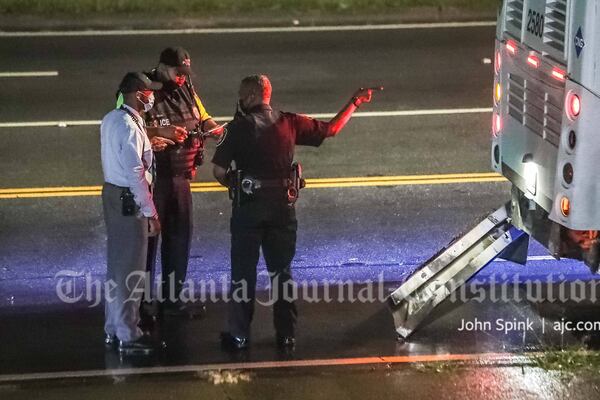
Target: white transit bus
x,y
546,121
545,141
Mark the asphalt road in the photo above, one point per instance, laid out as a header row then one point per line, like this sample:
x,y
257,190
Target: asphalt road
x,y
354,233
417,381
312,73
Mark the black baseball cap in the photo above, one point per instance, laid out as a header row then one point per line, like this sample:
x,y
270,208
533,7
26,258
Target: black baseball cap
x,y
177,57
137,81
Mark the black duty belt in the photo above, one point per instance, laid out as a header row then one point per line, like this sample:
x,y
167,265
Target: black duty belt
x,y
243,188
250,185
270,183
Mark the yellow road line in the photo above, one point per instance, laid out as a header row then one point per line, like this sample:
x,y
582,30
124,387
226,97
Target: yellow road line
x,y
36,195
403,177
317,183
404,183
310,181
51,189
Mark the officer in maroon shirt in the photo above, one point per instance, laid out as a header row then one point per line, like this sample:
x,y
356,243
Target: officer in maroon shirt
x,y
260,142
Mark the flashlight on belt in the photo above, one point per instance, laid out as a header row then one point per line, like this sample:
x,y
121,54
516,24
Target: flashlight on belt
x,y
296,183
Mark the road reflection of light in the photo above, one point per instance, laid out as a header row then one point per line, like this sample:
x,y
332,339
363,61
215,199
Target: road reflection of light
x,y
533,382
471,381
411,348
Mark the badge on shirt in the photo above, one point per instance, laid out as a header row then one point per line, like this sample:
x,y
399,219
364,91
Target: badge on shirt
x,y
196,113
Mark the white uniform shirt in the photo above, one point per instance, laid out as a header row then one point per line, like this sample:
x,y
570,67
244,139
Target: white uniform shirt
x,y
127,155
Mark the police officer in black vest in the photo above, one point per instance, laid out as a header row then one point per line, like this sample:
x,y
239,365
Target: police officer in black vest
x,y
260,143
178,114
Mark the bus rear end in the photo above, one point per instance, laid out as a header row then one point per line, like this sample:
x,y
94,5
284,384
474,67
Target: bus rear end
x,y
546,121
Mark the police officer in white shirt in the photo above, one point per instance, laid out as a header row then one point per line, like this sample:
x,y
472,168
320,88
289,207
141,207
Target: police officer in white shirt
x,y
129,212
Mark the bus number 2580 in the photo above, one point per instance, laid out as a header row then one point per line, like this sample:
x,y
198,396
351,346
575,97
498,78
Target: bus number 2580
x,y
535,23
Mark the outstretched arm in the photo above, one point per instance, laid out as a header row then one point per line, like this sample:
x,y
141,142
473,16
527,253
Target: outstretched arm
x,y
343,116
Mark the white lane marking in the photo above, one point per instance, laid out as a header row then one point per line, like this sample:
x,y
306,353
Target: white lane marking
x,y
534,258
404,113
196,31
410,113
28,74
541,258
44,124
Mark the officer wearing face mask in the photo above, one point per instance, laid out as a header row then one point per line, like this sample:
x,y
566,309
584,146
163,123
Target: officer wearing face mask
x,y
177,111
